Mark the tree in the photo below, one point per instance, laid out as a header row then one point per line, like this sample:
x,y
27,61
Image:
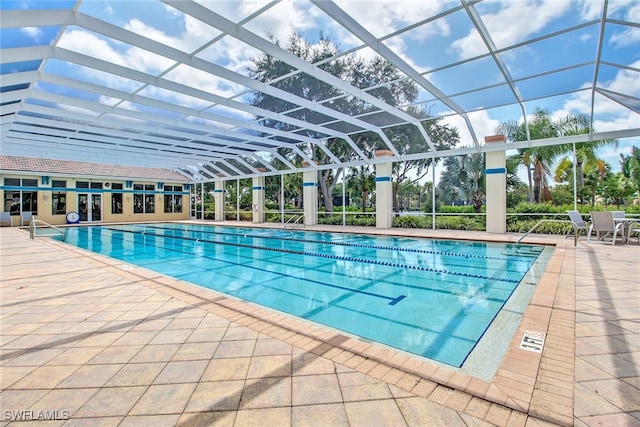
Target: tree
x,y
408,140
535,159
615,189
362,179
594,177
378,76
231,194
631,169
463,179
409,195
538,160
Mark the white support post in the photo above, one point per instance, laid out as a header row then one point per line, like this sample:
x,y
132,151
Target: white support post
x,y
282,199
384,190
496,182
258,198
218,198
310,196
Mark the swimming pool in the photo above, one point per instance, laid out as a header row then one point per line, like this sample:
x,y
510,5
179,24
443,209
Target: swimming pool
x,y
433,298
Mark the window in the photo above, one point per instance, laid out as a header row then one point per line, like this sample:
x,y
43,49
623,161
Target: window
x,y
21,199
116,199
172,202
58,197
143,198
86,184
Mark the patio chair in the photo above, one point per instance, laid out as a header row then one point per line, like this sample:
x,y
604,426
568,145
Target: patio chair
x,y
634,229
578,223
5,219
26,217
602,222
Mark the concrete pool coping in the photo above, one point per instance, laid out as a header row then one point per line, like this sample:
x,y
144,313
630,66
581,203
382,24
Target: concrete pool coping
x,y
526,386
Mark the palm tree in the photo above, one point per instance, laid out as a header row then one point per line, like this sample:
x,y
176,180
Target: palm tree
x,y
463,179
631,169
535,159
538,160
585,152
362,179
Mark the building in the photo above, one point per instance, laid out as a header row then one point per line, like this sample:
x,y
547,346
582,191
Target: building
x,y
51,189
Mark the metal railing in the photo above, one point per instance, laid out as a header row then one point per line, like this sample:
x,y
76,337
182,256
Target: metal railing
x,y
33,226
576,231
294,221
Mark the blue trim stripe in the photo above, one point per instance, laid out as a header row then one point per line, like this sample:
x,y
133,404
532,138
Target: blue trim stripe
x,y
495,171
309,184
383,178
257,187
218,191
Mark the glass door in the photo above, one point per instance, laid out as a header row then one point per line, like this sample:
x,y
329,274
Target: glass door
x,y
90,207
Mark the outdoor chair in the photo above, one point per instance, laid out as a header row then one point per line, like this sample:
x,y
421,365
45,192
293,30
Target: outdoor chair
x,y
603,222
26,217
634,229
5,219
578,224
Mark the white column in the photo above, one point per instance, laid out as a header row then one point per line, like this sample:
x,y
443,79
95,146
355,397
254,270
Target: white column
x,y
258,199
496,182
218,198
384,190
310,196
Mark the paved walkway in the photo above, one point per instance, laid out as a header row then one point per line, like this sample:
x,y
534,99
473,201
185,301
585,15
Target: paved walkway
x,y
87,340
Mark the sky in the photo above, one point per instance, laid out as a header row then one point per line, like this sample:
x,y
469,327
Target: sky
x,y
427,48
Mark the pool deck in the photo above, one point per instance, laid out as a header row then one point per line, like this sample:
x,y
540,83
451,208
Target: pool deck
x,y
88,340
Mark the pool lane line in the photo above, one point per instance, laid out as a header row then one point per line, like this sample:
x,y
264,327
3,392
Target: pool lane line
x,y
392,300
356,245
330,256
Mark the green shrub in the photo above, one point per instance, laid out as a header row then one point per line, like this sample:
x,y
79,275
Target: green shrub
x,y
408,222
523,226
330,219
456,209
361,220
460,223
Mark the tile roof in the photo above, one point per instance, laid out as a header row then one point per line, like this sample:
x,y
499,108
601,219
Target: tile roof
x,y
69,167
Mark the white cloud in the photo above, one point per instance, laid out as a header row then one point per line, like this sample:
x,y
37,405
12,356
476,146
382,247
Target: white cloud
x,y
202,80
629,37
108,100
128,56
625,82
482,123
631,12
287,17
33,33
523,19
385,16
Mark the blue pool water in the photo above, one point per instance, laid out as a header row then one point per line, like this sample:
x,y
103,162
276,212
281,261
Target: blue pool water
x,y
434,298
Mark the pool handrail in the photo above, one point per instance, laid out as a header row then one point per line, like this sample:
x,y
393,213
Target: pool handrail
x,y
33,225
296,221
575,238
